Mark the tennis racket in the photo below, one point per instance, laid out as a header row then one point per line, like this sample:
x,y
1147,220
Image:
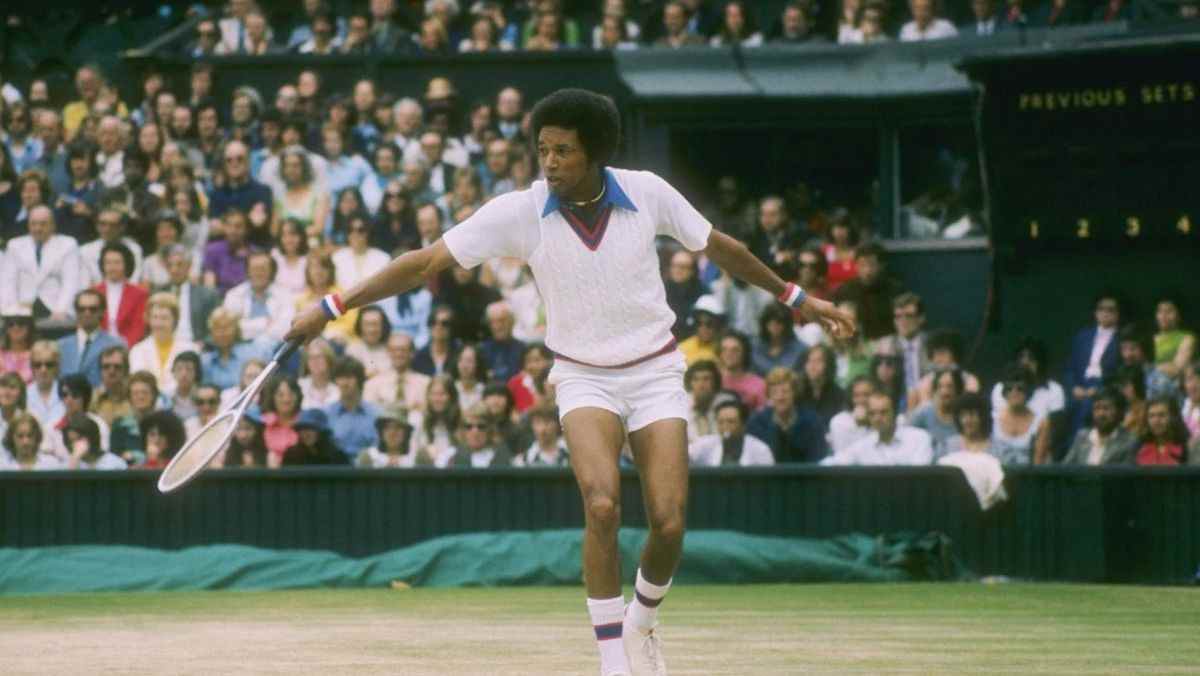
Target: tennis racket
x,y
214,437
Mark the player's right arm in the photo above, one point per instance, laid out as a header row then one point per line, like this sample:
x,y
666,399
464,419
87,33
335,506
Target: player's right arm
x,y
401,274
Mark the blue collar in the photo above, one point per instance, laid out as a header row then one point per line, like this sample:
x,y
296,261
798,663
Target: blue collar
x,y
612,195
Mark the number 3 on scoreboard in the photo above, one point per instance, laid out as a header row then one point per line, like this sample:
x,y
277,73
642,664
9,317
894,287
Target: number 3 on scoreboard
x,y
1083,228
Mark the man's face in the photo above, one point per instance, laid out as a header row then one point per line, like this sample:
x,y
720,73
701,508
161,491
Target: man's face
x,y
49,129
164,107
235,229
732,353
258,272
1132,353
112,371
223,333
674,19
706,327
178,268
382,9
45,367
810,269
207,400
881,415
861,393
141,396
1104,416
364,96
982,9
922,11
508,104
400,349
1108,313
88,312
109,136
181,121
270,134
704,386
729,421
206,123
782,396
431,147
348,389
545,431
908,320
497,158
770,215
475,433
945,390
500,324
87,82
185,375
794,22
41,224
428,223
869,269
114,267
682,267
18,123
108,226
408,118
562,158
285,99
442,323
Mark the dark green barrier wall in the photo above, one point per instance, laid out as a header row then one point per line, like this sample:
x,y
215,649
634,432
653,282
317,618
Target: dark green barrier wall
x,y
1112,525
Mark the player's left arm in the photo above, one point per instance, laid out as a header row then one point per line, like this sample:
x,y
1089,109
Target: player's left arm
x,y
733,257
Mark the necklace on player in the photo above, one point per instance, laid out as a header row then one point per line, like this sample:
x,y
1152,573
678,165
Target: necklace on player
x,y
588,203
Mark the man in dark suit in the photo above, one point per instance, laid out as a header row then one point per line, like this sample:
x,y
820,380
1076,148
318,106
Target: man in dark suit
x,y
1095,355
983,22
196,301
80,351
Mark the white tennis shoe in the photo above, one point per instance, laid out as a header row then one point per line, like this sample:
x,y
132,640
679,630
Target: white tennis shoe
x,y
644,649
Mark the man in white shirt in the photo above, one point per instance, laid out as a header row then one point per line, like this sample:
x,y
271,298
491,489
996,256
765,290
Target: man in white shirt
x,y
618,373
925,25
548,448
400,382
265,311
888,443
983,21
110,158
731,445
849,427
40,271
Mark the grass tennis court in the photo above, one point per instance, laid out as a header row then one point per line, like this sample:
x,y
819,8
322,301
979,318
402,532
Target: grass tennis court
x,y
777,629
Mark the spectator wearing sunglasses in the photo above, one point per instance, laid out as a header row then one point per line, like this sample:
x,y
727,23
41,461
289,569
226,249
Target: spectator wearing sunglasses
x,y
477,447
42,397
76,394
80,351
207,402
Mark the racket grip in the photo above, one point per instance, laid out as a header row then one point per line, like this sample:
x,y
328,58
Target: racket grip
x,y
287,349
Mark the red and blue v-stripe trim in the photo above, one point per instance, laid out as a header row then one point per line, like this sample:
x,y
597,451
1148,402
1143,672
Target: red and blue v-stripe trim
x,y
591,236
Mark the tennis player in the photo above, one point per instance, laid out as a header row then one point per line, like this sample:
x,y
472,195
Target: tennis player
x,y
588,233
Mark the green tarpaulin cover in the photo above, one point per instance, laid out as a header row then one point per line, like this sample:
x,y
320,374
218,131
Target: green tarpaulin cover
x,y
484,559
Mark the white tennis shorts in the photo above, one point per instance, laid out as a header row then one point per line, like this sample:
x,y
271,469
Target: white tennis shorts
x,y
638,394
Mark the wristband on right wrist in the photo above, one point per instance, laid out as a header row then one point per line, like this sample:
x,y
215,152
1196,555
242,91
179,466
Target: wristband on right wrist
x,y
793,296
333,306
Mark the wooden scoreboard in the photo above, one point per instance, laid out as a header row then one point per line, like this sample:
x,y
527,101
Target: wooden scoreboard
x,y
1093,148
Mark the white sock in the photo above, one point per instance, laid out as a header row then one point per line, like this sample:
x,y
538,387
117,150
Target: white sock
x,y
607,616
643,609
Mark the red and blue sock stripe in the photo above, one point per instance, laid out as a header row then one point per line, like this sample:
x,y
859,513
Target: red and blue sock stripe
x,y
606,632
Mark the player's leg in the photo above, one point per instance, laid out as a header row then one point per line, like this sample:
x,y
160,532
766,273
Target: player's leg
x,y
594,437
660,452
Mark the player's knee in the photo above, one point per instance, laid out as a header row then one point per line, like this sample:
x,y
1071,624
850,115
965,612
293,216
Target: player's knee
x,y
603,512
668,526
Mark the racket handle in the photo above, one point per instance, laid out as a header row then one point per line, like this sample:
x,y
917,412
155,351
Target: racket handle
x,y
287,349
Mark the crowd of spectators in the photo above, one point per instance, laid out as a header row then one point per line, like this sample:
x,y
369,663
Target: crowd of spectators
x,y
155,252
443,27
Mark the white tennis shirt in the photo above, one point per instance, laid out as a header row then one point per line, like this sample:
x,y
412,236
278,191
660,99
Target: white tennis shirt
x,y
604,306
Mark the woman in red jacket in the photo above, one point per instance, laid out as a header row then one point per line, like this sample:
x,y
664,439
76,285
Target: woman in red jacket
x,y
1165,442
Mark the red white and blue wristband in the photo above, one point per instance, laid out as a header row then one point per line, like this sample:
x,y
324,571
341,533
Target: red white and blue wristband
x,y
333,306
793,296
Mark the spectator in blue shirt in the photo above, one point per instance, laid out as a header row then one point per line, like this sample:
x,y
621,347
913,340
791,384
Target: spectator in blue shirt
x,y
794,433
352,419
237,190
343,170
226,354
501,351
